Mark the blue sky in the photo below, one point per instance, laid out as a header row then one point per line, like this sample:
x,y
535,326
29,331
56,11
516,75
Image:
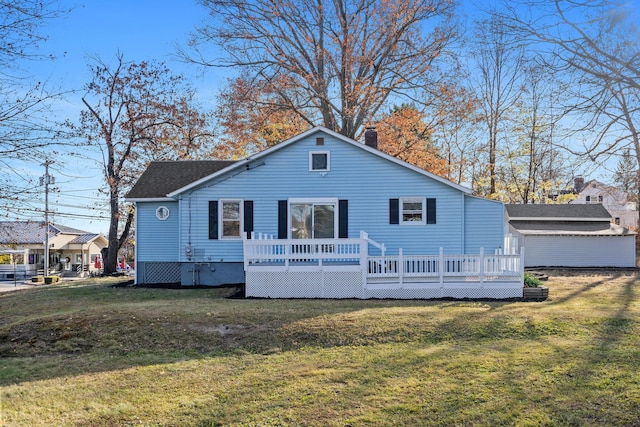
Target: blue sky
x,y
141,30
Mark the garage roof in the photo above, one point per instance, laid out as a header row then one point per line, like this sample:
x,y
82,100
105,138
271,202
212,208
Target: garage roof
x,y
569,228
595,212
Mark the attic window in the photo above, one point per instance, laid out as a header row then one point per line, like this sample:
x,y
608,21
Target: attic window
x,y
319,161
319,141
162,213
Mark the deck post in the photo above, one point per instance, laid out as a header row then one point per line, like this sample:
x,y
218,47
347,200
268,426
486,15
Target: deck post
x,y
441,267
364,261
481,266
522,264
244,254
400,268
287,251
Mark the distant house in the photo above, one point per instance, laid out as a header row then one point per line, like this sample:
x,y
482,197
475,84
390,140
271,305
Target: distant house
x,y
71,251
319,215
570,235
623,211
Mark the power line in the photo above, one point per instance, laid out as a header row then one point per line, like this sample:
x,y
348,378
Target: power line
x,y
37,212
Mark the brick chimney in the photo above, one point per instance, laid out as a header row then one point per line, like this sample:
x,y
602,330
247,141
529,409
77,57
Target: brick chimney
x,y
578,184
371,137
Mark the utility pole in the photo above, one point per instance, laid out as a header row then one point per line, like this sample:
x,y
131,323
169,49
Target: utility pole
x,y
46,180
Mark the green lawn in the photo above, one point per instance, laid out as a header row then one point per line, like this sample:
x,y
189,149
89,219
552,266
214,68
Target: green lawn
x,y
91,354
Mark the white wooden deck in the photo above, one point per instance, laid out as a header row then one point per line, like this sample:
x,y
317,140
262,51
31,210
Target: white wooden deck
x,y
342,268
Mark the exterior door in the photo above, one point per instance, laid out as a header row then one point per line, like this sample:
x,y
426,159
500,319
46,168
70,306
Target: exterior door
x,y
313,219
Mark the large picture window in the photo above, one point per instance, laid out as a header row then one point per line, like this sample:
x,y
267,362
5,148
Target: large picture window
x,y
313,219
231,219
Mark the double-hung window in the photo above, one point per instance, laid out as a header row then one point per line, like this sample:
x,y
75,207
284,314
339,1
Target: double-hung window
x,y
231,219
413,210
313,218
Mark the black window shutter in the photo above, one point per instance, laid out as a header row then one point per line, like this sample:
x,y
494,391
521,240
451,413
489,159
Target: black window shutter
x,y
431,211
248,217
343,219
213,219
282,219
394,211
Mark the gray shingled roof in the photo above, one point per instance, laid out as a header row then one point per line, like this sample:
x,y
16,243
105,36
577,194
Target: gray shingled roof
x,y
14,232
161,178
550,212
32,232
569,228
84,238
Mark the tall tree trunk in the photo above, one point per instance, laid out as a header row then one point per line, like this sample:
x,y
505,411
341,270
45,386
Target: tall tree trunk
x,y
111,259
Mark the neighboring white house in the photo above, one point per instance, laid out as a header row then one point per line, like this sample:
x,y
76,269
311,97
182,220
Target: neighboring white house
x,y
570,236
623,211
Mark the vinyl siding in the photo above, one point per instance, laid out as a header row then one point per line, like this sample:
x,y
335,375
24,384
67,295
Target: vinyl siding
x,y
484,225
157,240
364,179
579,251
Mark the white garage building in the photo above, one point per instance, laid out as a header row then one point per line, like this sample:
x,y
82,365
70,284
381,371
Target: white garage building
x,y
570,236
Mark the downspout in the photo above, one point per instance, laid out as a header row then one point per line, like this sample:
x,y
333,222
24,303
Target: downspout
x,y
464,222
135,246
195,267
189,221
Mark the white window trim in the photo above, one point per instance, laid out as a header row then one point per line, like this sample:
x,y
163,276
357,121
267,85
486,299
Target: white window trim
x,y
315,201
328,154
162,209
413,199
221,203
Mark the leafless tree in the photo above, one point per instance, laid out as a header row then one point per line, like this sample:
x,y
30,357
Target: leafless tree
x,y
333,63
24,102
134,113
499,58
594,46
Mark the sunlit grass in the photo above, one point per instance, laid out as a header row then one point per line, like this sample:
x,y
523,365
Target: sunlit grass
x,y
89,354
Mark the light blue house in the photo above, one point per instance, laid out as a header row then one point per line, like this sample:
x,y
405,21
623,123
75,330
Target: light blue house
x,y
192,217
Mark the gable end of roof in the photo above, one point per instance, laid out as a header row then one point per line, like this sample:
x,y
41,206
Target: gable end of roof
x,y
301,136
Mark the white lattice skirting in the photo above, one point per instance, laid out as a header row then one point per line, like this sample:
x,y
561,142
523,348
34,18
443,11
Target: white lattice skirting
x,y
304,284
348,284
448,290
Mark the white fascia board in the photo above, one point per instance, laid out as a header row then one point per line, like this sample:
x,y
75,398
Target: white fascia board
x,y
573,233
151,199
303,135
386,156
242,163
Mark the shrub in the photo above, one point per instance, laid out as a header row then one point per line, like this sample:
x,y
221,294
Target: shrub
x,y
531,281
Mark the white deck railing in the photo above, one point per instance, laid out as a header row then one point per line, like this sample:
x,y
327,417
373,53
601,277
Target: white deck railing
x,y
481,268
265,251
17,270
